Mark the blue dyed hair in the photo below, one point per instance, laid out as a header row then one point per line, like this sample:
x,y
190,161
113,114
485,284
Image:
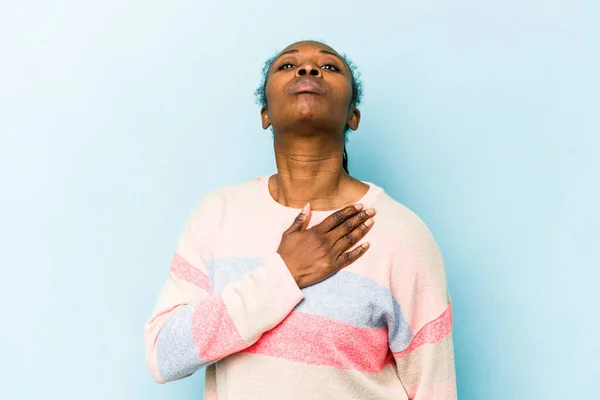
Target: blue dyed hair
x,y
357,92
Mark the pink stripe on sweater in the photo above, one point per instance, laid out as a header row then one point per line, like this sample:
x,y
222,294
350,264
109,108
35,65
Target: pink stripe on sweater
x,y
433,332
318,340
214,332
185,271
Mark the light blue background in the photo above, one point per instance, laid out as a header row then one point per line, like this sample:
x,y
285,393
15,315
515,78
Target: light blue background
x,y
116,117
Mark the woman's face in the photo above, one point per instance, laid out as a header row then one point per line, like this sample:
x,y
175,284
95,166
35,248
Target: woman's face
x,y
309,87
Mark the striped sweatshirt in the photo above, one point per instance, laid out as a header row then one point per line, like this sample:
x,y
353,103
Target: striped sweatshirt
x,y
380,328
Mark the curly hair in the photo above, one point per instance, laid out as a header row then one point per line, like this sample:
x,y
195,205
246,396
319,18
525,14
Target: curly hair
x,y
357,92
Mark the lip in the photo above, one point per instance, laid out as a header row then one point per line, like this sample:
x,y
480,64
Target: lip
x,y
307,85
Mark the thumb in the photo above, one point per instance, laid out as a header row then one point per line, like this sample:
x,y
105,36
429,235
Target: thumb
x,y
302,220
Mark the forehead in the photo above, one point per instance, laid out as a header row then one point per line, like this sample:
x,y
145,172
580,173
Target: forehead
x,y
309,46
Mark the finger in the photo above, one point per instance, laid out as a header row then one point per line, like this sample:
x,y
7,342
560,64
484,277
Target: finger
x,y
349,257
337,218
349,225
350,239
301,220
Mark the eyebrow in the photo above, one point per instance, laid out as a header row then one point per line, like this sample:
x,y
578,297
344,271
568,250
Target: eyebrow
x,y
322,51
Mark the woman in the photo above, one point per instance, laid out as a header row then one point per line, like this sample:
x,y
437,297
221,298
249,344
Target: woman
x,y
279,303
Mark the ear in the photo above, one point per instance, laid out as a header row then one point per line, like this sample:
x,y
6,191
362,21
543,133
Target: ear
x,y
264,116
353,119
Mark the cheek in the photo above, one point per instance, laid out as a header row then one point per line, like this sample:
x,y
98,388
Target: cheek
x,y
276,99
342,93
273,90
348,94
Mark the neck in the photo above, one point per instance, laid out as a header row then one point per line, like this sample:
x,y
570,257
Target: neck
x,y
310,170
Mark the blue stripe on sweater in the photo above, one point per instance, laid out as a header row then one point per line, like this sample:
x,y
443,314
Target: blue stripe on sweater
x,y
345,296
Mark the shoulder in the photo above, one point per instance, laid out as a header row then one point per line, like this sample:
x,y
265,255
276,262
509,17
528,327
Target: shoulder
x,y
209,215
408,241
399,223
215,202
417,276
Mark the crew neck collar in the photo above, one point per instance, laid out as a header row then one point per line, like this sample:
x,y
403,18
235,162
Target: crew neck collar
x,y
367,199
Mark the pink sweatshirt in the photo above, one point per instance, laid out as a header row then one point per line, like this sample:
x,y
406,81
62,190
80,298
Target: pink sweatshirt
x,y
380,328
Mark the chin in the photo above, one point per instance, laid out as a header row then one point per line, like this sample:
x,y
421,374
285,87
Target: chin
x,y
316,120
307,111
305,116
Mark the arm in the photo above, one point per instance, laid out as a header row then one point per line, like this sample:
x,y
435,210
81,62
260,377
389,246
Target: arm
x,y
190,328
423,351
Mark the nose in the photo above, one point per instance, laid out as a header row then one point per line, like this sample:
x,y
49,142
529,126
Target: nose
x,y
309,69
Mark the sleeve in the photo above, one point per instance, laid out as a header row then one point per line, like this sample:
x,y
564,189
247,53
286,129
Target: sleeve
x,y
190,328
421,340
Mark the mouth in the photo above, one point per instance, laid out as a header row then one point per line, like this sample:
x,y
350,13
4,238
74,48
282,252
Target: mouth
x,y
307,85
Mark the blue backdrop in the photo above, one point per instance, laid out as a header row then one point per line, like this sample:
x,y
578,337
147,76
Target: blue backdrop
x,y
117,117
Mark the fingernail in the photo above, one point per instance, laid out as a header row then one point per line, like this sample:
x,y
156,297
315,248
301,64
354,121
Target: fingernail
x,y
369,222
358,206
305,209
